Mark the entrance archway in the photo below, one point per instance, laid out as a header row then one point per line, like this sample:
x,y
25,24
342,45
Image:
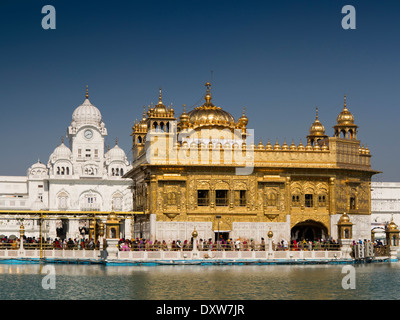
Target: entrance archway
x,y
309,230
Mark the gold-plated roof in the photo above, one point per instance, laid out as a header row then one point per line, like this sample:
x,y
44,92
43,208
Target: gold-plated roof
x,y
210,115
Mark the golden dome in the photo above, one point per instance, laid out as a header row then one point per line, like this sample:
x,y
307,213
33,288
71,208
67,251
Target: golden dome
x,y
268,146
243,120
344,219
210,115
194,233
317,129
112,218
392,226
301,146
260,145
345,117
285,146
293,147
277,146
160,107
142,124
270,234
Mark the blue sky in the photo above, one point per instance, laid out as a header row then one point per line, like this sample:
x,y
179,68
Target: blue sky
x,y
279,59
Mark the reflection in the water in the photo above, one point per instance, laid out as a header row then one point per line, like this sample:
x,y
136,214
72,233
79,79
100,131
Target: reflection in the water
x,y
373,281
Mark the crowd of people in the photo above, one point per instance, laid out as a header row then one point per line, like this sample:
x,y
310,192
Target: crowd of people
x,y
140,244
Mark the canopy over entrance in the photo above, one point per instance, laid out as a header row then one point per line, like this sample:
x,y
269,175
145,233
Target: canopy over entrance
x,y
309,230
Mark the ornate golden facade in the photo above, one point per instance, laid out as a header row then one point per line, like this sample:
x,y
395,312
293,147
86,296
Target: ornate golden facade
x,y
185,176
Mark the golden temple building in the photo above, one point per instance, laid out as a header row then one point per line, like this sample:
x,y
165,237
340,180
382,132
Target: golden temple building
x,y
203,170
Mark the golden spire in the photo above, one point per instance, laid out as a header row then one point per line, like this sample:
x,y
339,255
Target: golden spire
x,y
208,95
184,108
345,104
159,97
116,141
316,111
144,112
87,92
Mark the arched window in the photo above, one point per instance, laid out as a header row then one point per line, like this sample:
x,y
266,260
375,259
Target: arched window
x,y
296,200
271,200
161,126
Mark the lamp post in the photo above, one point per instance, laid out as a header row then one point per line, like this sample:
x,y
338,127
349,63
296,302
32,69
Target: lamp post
x,y
194,248
21,237
218,246
270,248
101,234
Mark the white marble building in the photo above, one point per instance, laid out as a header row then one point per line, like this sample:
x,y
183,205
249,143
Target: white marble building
x,y
385,205
82,176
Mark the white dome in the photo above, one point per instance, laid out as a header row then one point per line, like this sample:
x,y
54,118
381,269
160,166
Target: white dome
x,y
38,165
61,152
116,153
87,113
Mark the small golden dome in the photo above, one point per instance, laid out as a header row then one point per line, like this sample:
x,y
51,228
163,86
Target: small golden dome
x,y
317,147
260,145
243,120
285,147
160,108
112,218
301,146
194,233
345,117
142,124
324,147
293,147
344,219
317,129
268,146
270,233
392,226
277,146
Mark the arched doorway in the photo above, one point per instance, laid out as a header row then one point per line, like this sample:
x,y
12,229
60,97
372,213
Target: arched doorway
x,y
309,230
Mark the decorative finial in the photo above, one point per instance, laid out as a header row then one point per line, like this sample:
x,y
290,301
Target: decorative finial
x,y
144,112
116,141
184,108
87,92
159,97
108,147
62,140
345,104
316,111
244,108
208,95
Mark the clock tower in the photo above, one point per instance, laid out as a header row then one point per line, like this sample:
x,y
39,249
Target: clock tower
x,y
86,138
